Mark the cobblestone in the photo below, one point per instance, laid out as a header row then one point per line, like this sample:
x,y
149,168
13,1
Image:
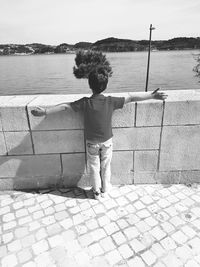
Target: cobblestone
x,y
113,257
179,237
60,215
24,255
167,227
4,210
8,217
7,237
111,228
96,250
131,232
14,246
172,260
122,223
9,260
136,262
55,241
119,238
28,241
34,225
107,244
136,245
92,224
9,225
98,234
104,220
125,251
188,231
184,253
148,257
137,225
40,234
40,247
158,250
121,201
168,243
85,240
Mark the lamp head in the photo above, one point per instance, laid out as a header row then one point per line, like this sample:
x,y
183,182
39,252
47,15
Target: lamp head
x,y
152,28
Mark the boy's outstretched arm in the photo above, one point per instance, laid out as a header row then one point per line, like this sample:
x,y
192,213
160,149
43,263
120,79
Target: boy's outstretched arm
x,y
39,111
140,96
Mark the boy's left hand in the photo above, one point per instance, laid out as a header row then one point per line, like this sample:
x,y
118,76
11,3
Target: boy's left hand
x,y
38,111
159,95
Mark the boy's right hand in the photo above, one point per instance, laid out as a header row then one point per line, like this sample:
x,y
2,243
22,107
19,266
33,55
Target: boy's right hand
x,y
159,95
38,111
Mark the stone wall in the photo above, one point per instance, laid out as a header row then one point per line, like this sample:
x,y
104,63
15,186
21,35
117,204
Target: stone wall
x,y
154,142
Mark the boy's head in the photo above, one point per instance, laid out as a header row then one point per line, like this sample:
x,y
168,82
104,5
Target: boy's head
x,y
98,80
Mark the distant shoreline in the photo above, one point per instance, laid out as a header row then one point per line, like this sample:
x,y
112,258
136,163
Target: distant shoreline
x,y
106,45
107,52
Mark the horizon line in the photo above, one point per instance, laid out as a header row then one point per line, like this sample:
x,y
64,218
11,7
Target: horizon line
x,y
13,43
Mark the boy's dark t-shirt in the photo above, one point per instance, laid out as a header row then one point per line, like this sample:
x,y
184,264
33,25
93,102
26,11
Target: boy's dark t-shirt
x,y
97,111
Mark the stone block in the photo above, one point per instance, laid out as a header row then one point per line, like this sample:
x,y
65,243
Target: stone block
x,y
182,107
62,120
30,166
122,167
182,112
18,183
67,119
190,177
6,184
58,141
145,160
74,170
124,117
136,138
14,115
14,119
144,177
3,150
18,143
182,95
3,100
149,113
180,147
168,177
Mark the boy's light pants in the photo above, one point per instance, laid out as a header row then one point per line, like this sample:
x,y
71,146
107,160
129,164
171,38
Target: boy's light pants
x,y
99,157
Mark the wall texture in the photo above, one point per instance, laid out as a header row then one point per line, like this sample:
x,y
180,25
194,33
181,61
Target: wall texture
x,y
154,142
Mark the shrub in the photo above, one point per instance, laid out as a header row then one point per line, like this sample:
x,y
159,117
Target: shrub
x,y
86,61
197,67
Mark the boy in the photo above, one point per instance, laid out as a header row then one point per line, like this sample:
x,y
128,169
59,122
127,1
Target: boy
x,y
98,111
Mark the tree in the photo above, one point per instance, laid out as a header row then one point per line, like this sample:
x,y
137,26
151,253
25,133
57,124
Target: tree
x,y
197,67
86,61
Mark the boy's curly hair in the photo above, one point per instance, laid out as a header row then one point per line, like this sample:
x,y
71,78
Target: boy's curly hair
x,y
98,79
94,66
86,61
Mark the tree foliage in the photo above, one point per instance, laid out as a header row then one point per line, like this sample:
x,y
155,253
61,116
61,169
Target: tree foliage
x,y
197,67
86,61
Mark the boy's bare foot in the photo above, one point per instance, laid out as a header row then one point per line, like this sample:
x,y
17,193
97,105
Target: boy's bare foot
x,y
104,194
97,196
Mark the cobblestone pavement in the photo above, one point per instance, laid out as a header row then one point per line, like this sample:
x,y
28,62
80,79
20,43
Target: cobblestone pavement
x,y
137,225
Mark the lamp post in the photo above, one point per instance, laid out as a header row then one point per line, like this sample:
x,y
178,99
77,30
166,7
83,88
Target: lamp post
x,y
148,62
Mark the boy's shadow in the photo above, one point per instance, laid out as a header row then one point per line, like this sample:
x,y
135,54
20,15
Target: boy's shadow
x,y
70,193
22,169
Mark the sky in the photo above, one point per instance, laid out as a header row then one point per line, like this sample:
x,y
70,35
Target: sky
x,y
71,21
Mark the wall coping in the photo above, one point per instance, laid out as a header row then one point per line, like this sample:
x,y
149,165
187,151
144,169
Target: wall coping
x,y
53,99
